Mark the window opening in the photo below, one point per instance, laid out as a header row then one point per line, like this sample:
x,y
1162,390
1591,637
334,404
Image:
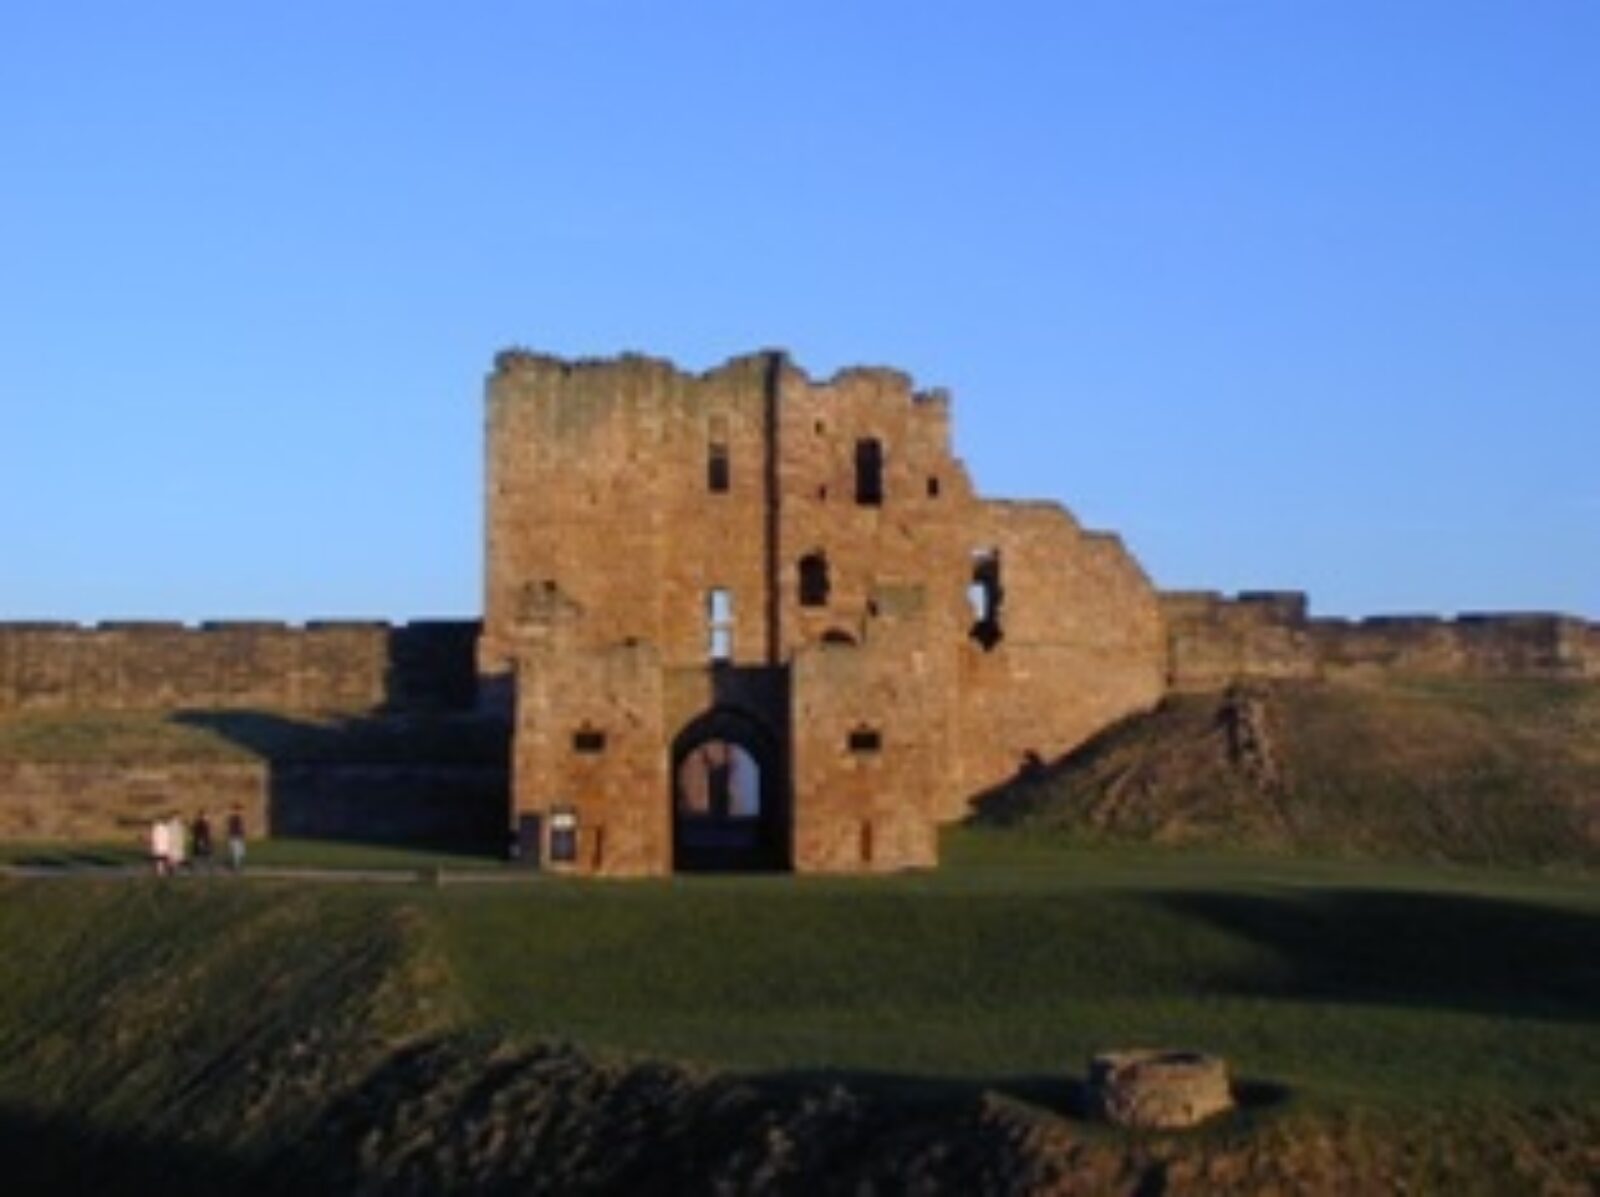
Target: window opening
x,y
588,741
933,486
985,594
869,472
719,619
719,473
814,582
866,740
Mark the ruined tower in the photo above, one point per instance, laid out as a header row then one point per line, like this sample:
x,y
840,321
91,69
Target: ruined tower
x,y
752,620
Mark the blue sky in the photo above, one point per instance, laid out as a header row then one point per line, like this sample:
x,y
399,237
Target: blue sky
x,y
1291,294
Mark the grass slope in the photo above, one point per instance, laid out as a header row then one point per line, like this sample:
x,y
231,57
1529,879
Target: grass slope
x,y
1502,772
1434,1027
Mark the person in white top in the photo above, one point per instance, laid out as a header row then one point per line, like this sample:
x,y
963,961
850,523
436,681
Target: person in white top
x,y
161,846
177,837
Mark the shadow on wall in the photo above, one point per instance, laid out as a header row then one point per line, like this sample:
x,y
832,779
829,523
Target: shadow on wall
x,y
435,780
1011,801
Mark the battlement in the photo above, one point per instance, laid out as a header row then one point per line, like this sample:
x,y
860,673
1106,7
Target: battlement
x,y
324,665
516,365
1214,639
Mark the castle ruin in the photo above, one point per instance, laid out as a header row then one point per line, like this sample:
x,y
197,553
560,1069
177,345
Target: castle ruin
x,y
742,619
756,620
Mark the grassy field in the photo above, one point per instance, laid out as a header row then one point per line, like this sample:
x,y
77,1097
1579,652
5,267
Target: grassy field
x,y
1365,982
234,1015
262,854
1344,982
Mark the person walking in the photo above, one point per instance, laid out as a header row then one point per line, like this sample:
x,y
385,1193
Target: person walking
x,y
200,842
236,839
177,846
160,847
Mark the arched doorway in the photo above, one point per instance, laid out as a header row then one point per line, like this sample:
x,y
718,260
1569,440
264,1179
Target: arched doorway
x,y
729,807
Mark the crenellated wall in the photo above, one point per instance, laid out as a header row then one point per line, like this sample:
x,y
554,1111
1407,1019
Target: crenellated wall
x,y
238,666
1214,640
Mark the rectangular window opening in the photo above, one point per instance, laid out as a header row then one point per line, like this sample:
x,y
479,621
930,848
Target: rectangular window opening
x,y
869,472
588,741
719,474
866,740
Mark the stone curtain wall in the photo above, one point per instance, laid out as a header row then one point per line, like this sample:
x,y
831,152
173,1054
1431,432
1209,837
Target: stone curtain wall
x,y
1214,640
114,802
238,666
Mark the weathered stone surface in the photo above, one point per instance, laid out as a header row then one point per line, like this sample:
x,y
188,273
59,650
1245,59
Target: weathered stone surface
x,y
238,666
109,802
1215,640
1158,1090
840,534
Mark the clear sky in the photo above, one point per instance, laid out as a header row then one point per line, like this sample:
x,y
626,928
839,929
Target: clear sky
x,y
1291,294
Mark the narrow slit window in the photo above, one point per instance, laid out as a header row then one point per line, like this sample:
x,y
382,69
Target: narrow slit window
x,y
719,469
933,486
719,619
869,472
719,474
814,581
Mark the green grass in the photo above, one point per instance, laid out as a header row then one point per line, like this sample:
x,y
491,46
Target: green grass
x,y
1363,981
228,1013
333,855
1494,772
1346,982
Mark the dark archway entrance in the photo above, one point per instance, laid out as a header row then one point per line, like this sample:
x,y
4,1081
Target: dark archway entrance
x,y
729,797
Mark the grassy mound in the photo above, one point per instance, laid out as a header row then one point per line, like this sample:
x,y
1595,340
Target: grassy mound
x,y
1395,1026
1493,772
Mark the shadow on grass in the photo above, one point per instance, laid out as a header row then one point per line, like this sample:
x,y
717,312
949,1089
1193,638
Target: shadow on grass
x,y
68,859
1062,1094
1454,952
567,1123
61,1155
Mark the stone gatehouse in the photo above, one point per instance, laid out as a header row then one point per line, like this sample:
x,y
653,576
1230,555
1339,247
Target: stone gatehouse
x,y
756,620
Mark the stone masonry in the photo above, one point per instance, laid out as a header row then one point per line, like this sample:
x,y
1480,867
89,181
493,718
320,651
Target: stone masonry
x,y
794,581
